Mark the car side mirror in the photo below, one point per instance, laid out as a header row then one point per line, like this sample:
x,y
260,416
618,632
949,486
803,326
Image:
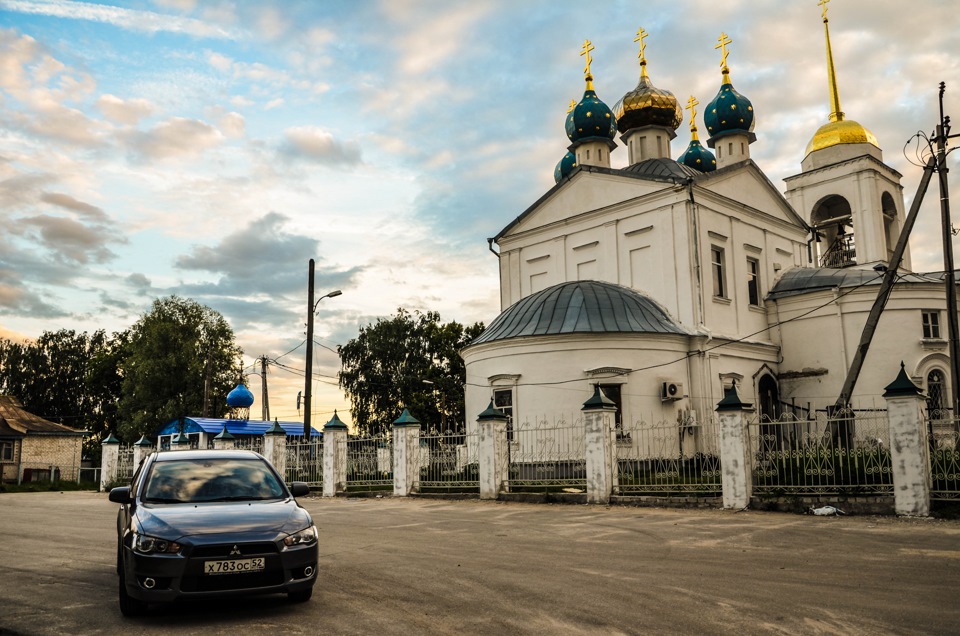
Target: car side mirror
x,y
120,495
299,489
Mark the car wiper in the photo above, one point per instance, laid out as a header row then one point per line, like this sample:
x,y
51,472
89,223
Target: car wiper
x,y
236,498
163,500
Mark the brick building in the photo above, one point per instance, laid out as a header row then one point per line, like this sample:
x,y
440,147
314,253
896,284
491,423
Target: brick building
x,y
35,449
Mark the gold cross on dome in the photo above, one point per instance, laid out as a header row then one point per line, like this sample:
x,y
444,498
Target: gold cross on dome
x,y
823,3
641,33
586,48
692,107
573,104
723,40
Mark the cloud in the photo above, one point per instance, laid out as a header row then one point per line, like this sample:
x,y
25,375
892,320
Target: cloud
x,y
139,282
318,145
175,137
69,239
129,19
233,125
17,300
67,202
124,111
273,103
262,258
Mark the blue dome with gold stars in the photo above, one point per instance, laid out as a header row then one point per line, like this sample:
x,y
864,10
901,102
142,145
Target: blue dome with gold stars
x,y
698,157
564,167
728,112
240,397
591,118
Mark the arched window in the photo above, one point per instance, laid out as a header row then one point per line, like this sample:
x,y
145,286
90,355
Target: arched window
x,y
937,395
891,225
833,221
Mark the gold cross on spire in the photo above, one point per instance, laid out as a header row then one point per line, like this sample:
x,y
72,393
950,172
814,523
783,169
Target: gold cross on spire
x,y
586,48
823,3
692,107
723,40
641,34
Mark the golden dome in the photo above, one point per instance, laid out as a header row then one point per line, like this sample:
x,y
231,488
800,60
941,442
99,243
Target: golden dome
x,y
845,131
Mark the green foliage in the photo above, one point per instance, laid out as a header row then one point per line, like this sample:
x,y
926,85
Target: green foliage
x,y
181,359
408,361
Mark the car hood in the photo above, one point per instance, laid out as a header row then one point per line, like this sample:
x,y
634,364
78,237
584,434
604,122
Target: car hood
x,y
174,521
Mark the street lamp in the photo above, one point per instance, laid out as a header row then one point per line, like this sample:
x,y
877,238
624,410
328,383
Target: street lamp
x,y
311,310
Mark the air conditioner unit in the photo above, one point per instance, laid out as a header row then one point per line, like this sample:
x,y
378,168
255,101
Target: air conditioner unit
x,y
671,391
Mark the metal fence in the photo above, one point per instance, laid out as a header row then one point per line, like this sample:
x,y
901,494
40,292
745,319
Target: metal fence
x,y
253,443
449,462
370,463
848,454
669,458
545,455
944,438
305,461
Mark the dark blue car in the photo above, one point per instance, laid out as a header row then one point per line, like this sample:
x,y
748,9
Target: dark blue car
x,y
201,523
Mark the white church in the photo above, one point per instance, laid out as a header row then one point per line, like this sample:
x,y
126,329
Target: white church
x,y
666,281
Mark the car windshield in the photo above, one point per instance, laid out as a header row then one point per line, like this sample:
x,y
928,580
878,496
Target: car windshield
x,y
206,480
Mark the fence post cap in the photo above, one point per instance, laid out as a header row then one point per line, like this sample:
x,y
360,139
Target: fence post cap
x,y
902,386
275,429
224,434
335,423
598,400
143,441
491,413
731,400
181,440
111,439
406,419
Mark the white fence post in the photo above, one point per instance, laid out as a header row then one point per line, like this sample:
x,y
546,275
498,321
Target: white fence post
x,y
275,447
141,449
334,456
737,477
406,453
598,413
109,459
909,452
493,467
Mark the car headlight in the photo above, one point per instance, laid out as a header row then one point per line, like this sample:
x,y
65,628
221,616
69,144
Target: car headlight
x,y
152,545
304,537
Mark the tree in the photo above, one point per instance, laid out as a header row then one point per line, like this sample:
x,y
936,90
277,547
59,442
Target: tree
x,y
181,359
66,377
408,361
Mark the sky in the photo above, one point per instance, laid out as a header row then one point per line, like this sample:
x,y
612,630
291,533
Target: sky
x,y
210,149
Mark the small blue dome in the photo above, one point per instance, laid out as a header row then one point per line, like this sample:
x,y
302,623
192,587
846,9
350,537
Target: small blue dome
x,y
728,112
240,397
698,157
591,118
565,166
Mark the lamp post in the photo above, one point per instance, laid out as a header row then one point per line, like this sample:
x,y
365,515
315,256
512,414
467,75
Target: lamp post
x,y
311,310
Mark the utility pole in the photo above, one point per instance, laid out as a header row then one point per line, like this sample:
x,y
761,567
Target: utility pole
x,y
949,278
311,310
263,379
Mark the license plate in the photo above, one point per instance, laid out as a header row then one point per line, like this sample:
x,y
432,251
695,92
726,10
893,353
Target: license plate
x,y
234,566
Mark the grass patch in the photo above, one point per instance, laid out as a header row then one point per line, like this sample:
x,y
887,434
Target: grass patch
x,y
49,486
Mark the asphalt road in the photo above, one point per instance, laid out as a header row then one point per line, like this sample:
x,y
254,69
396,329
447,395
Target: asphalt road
x,y
414,566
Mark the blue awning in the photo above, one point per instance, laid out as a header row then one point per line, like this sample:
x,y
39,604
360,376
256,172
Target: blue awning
x,y
213,425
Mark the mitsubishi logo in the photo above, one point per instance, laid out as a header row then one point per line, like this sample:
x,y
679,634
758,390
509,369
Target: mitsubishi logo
x,y
235,551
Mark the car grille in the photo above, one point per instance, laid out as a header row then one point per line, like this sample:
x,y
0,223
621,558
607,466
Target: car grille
x,y
227,550
226,582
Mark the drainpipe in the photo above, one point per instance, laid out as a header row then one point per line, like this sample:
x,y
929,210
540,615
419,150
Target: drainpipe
x,y
490,247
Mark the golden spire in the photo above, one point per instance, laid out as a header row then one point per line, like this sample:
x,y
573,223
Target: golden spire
x,y
692,107
724,40
586,48
835,113
643,47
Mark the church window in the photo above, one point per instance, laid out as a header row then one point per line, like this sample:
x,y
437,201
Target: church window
x,y
753,281
931,324
612,391
730,149
503,400
6,451
936,395
719,275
